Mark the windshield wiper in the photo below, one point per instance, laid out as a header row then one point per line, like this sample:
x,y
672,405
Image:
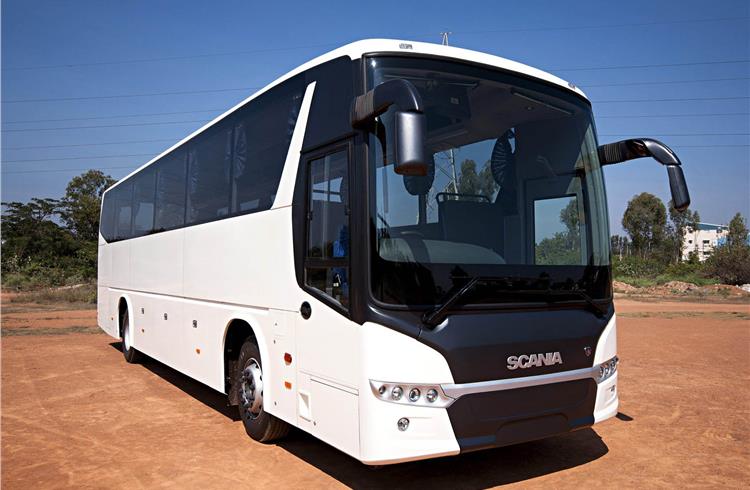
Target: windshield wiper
x,y
553,294
436,315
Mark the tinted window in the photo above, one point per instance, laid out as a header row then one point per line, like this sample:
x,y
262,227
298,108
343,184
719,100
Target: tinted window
x,y
209,158
123,202
144,187
262,133
107,220
170,191
327,263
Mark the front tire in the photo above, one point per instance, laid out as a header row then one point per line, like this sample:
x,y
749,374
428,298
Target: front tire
x,y
248,383
128,351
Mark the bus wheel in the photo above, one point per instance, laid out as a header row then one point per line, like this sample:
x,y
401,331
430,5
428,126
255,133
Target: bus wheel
x,y
259,424
131,355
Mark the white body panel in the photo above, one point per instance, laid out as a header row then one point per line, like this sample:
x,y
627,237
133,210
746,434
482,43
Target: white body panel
x,y
184,287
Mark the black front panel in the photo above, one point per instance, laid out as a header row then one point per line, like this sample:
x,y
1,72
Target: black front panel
x,y
477,345
502,418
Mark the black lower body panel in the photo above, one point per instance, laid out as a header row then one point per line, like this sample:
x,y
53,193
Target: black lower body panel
x,y
501,418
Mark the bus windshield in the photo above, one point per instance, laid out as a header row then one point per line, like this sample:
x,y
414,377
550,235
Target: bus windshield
x,y
514,192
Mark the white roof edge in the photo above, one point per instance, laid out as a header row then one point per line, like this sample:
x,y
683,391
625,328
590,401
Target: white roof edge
x,y
357,49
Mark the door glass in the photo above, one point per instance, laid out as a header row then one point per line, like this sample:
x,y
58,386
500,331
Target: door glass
x,y
327,261
557,231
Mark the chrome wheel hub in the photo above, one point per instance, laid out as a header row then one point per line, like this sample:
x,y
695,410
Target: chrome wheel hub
x,y
251,391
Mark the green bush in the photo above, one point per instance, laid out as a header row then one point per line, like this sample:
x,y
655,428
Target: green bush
x,y
635,267
730,264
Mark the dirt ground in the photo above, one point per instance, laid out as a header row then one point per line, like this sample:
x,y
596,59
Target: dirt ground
x,y
74,414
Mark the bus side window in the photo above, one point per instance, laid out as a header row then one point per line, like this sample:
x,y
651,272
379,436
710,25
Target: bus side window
x,y
123,203
327,256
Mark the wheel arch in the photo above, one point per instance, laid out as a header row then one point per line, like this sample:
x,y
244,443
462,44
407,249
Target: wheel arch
x,y
236,331
123,304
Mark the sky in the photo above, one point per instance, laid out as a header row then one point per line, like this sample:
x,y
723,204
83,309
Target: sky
x,y
92,84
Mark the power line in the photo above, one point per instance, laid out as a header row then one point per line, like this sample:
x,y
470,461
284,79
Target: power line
x,y
680,134
671,82
169,58
96,157
30,121
26,130
310,46
631,116
120,96
158,123
76,158
92,144
657,65
187,92
149,114
66,170
669,100
606,26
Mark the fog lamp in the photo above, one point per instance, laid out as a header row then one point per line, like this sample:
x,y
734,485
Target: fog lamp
x,y
403,424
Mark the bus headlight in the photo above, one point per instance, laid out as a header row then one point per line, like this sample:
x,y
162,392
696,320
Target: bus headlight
x,y
394,393
607,369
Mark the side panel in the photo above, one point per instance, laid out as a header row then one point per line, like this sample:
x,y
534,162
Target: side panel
x,y
104,315
120,256
156,263
243,260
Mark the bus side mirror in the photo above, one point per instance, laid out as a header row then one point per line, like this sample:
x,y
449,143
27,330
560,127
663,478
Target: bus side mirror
x,y
625,150
407,134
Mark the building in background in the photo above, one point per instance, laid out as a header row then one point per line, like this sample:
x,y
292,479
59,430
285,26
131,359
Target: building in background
x,y
704,240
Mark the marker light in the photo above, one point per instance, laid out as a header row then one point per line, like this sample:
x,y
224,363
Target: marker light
x,y
414,395
397,392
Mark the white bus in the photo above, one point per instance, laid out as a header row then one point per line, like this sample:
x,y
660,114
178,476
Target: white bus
x,y
400,248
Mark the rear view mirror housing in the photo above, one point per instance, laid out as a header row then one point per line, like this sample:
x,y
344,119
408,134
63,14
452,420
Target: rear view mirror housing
x,y
625,150
408,131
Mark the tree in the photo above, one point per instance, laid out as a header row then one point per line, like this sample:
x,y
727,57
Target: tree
x,y
563,248
645,221
81,205
737,231
730,262
468,181
30,233
620,246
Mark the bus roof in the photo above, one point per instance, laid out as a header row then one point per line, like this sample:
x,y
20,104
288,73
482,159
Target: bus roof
x,y
357,49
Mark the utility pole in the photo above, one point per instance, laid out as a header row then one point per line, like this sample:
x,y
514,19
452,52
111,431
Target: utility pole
x,y
451,156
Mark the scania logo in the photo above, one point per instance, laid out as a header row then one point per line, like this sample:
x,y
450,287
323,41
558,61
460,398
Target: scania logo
x,y
534,360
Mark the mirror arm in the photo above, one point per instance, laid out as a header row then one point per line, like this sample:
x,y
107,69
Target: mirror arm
x,y
401,93
625,150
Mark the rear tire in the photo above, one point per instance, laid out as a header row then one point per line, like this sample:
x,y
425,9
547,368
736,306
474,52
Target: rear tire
x,y
248,387
128,351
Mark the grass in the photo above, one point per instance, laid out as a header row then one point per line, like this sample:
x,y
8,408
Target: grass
x,y
724,315
27,331
84,294
646,282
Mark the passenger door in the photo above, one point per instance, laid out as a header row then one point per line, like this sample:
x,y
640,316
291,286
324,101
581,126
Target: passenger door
x,y
327,340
